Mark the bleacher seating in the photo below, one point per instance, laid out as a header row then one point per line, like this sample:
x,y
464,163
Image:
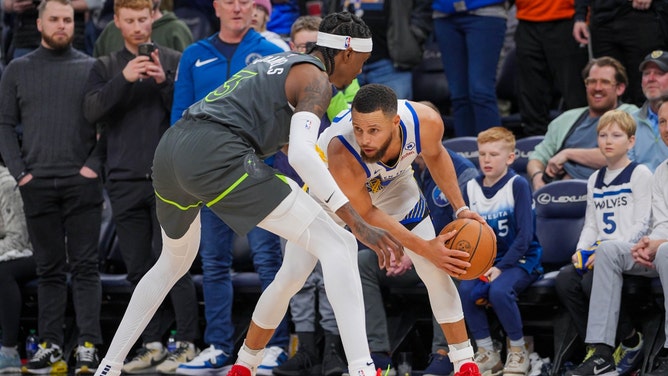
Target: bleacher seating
x,y
523,149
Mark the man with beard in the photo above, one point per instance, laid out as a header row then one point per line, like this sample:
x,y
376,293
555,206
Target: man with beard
x,y
369,152
569,150
57,172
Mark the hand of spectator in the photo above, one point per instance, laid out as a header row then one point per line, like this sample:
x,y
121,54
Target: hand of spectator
x,y
154,68
644,252
641,4
450,260
20,6
87,172
25,179
590,261
581,32
537,181
555,166
399,268
135,70
493,273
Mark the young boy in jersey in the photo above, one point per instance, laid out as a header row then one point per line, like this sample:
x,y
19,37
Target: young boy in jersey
x,y
619,203
504,199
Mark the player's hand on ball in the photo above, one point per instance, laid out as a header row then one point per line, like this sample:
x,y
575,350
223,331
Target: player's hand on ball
x,y
471,215
452,261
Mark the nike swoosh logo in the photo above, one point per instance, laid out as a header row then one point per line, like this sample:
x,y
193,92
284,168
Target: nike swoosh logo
x,y
599,370
200,63
369,363
54,358
329,198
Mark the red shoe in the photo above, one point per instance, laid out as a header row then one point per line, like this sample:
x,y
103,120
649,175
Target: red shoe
x,y
239,370
468,369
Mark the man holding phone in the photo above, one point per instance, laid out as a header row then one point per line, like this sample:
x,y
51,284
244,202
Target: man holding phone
x,y
130,93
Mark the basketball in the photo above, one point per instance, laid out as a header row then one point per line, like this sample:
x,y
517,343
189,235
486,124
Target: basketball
x,y
475,238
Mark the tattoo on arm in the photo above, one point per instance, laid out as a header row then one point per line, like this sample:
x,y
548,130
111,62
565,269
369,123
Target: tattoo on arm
x,y
315,96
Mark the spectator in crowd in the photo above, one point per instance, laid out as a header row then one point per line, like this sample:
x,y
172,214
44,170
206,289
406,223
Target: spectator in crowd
x,y
203,67
57,171
470,41
370,154
130,94
168,31
207,159
649,149
504,199
619,203
17,266
398,29
284,14
25,35
200,16
615,258
569,149
547,57
625,30
261,16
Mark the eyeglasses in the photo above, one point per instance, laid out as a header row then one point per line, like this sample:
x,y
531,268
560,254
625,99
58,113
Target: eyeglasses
x,y
605,83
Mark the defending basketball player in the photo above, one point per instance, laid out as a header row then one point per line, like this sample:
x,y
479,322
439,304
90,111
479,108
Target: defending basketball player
x,y
369,152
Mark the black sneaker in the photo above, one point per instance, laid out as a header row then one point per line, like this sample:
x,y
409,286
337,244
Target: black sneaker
x,y
48,359
332,363
299,365
661,367
87,360
595,365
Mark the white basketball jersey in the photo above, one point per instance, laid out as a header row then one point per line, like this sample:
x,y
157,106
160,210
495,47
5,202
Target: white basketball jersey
x,y
392,188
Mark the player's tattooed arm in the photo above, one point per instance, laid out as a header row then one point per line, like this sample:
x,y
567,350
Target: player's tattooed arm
x,y
309,89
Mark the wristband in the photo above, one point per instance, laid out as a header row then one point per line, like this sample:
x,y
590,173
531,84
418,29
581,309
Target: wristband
x,y
536,173
460,210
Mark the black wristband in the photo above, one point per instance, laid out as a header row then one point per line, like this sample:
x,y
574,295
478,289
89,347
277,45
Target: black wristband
x,y
21,175
547,179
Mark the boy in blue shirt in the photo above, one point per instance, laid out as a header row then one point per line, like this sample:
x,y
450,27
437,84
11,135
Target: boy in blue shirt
x,y
504,199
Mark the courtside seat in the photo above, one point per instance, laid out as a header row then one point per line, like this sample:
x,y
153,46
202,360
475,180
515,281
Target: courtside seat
x,y
523,149
560,211
467,147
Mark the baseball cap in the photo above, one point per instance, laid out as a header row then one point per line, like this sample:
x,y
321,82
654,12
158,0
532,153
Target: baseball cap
x,y
658,57
266,4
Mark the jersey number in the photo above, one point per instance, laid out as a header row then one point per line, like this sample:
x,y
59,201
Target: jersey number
x,y
229,85
610,225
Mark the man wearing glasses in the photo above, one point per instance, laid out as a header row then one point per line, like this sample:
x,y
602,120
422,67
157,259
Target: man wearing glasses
x,y
569,150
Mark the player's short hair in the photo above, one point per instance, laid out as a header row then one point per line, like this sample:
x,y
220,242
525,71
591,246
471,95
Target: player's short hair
x,y
495,134
623,119
662,100
607,61
373,97
341,23
133,4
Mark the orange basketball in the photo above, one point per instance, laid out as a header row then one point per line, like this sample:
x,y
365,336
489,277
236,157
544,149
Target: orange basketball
x,y
475,238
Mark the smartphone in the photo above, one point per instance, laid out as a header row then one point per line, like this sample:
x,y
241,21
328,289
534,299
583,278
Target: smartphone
x,y
145,49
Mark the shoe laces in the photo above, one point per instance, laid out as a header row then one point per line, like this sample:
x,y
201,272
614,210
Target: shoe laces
x,y
43,352
590,352
618,354
515,358
482,356
181,350
86,354
273,352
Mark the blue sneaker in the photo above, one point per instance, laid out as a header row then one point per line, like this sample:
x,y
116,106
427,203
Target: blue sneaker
x,y
273,357
439,365
10,363
211,361
627,358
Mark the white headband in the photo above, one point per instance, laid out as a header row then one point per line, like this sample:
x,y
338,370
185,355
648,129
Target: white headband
x,y
342,42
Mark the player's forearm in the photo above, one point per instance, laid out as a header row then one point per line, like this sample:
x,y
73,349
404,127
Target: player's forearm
x,y
378,218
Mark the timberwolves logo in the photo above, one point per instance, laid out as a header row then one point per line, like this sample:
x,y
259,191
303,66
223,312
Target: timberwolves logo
x,y
251,57
438,198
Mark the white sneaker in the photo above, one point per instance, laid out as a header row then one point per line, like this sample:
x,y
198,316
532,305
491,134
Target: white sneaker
x,y
273,357
517,362
211,361
489,362
185,352
147,359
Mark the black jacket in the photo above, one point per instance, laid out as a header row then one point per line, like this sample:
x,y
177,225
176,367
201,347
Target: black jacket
x,y
132,115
